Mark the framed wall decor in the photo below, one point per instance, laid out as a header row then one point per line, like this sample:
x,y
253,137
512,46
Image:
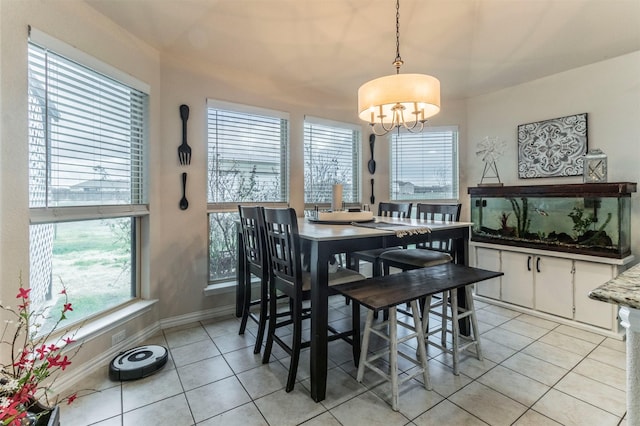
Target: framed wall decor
x,y
552,148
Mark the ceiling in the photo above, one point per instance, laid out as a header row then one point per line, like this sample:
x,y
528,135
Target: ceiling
x,y
333,46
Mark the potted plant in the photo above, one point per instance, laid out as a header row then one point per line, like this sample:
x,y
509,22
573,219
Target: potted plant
x,y
26,381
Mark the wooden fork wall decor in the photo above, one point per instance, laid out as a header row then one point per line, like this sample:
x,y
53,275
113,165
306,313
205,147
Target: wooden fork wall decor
x,y
184,150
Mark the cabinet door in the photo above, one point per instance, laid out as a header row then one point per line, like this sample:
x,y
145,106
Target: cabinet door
x,y
587,277
488,259
554,285
517,282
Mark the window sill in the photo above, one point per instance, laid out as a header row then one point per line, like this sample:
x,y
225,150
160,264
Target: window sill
x,y
220,288
115,319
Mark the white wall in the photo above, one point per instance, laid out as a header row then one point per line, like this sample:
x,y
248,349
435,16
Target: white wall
x,y
608,91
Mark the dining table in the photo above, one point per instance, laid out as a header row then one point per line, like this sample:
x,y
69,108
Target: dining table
x,y
325,239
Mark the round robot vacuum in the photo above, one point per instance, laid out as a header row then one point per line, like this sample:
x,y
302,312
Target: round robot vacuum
x,y
138,362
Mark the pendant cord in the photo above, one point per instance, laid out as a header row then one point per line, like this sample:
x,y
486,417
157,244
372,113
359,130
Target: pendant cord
x,y
398,62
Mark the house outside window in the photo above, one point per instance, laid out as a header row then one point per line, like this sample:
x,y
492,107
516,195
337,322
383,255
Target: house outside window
x,y
424,166
87,137
331,156
247,163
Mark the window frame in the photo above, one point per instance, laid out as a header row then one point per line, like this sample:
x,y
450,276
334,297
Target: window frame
x,y
454,170
232,206
137,207
356,156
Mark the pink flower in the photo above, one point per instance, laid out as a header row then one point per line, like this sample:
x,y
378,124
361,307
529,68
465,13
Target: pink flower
x,y
54,360
23,293
67,307
64,363
41,351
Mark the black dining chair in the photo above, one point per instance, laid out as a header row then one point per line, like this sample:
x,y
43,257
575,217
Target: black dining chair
x,y
400,210
257,264
435,252
286,275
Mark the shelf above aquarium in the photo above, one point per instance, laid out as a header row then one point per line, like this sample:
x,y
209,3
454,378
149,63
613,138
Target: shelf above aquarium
x,y
609,189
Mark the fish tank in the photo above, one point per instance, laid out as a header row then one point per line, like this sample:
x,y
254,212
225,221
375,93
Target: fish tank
x,y
589,218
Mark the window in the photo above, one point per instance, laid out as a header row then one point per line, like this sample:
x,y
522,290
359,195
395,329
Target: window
x,y
247,151
87,134
424,166
331,155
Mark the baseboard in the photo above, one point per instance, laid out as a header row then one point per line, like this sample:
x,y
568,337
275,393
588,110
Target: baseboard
x,y
65,383
619,335
197,316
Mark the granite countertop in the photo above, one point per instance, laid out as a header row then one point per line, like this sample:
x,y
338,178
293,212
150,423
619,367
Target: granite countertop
x,y
623,290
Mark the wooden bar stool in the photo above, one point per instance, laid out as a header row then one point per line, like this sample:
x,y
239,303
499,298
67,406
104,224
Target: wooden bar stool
x,y
367,361
451,313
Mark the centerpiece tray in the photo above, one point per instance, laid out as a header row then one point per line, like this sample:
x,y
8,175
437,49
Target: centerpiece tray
x,y
341,217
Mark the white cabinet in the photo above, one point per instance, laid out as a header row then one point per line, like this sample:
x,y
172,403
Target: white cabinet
x,y
587,277
517,282
540,282
545,282
488,259
553,285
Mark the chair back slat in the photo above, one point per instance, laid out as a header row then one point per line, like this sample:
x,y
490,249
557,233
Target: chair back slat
x,y
283,246
444,212
253,238
400,210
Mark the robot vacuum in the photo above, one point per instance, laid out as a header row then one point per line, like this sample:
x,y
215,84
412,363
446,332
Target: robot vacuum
x,y
138,362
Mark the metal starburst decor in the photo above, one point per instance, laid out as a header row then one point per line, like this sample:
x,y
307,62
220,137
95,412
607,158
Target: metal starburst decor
x,y
490,149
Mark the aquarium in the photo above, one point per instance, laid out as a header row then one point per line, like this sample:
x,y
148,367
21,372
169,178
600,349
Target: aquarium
x,y
589,218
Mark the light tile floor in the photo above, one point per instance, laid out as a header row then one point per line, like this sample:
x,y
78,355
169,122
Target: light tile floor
x,y
535,372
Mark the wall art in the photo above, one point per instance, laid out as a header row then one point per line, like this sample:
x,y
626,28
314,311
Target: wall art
x,y
552,148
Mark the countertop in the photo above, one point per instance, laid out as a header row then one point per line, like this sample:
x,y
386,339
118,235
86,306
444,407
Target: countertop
x,y
623,290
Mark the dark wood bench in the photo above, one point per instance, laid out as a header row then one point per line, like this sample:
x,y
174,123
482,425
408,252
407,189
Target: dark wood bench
x,y
390,290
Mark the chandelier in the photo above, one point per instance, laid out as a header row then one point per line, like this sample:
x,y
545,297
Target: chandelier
x,y
399,100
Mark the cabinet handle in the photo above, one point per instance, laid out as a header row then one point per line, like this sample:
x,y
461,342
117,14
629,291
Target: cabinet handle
x,y
538,264
528,263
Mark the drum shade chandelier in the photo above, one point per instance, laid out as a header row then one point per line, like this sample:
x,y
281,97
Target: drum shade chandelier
x,y
399,100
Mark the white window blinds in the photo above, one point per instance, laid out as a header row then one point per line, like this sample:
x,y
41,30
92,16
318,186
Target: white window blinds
x,y
424,166
331,156
247,154
86,135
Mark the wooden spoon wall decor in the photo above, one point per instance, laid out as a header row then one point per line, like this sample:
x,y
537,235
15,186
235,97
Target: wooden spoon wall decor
x,y
372,163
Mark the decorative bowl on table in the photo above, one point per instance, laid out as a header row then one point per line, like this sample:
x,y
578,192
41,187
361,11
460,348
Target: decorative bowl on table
x,y
341,217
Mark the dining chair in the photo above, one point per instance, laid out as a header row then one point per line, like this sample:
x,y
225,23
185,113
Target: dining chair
x,y
256,264
400,210
435,252
286,275
442,212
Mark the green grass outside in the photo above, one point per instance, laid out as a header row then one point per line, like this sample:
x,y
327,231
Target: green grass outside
x,y
92,259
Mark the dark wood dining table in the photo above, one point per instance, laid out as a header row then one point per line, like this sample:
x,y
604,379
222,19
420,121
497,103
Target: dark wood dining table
x,y
327,239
